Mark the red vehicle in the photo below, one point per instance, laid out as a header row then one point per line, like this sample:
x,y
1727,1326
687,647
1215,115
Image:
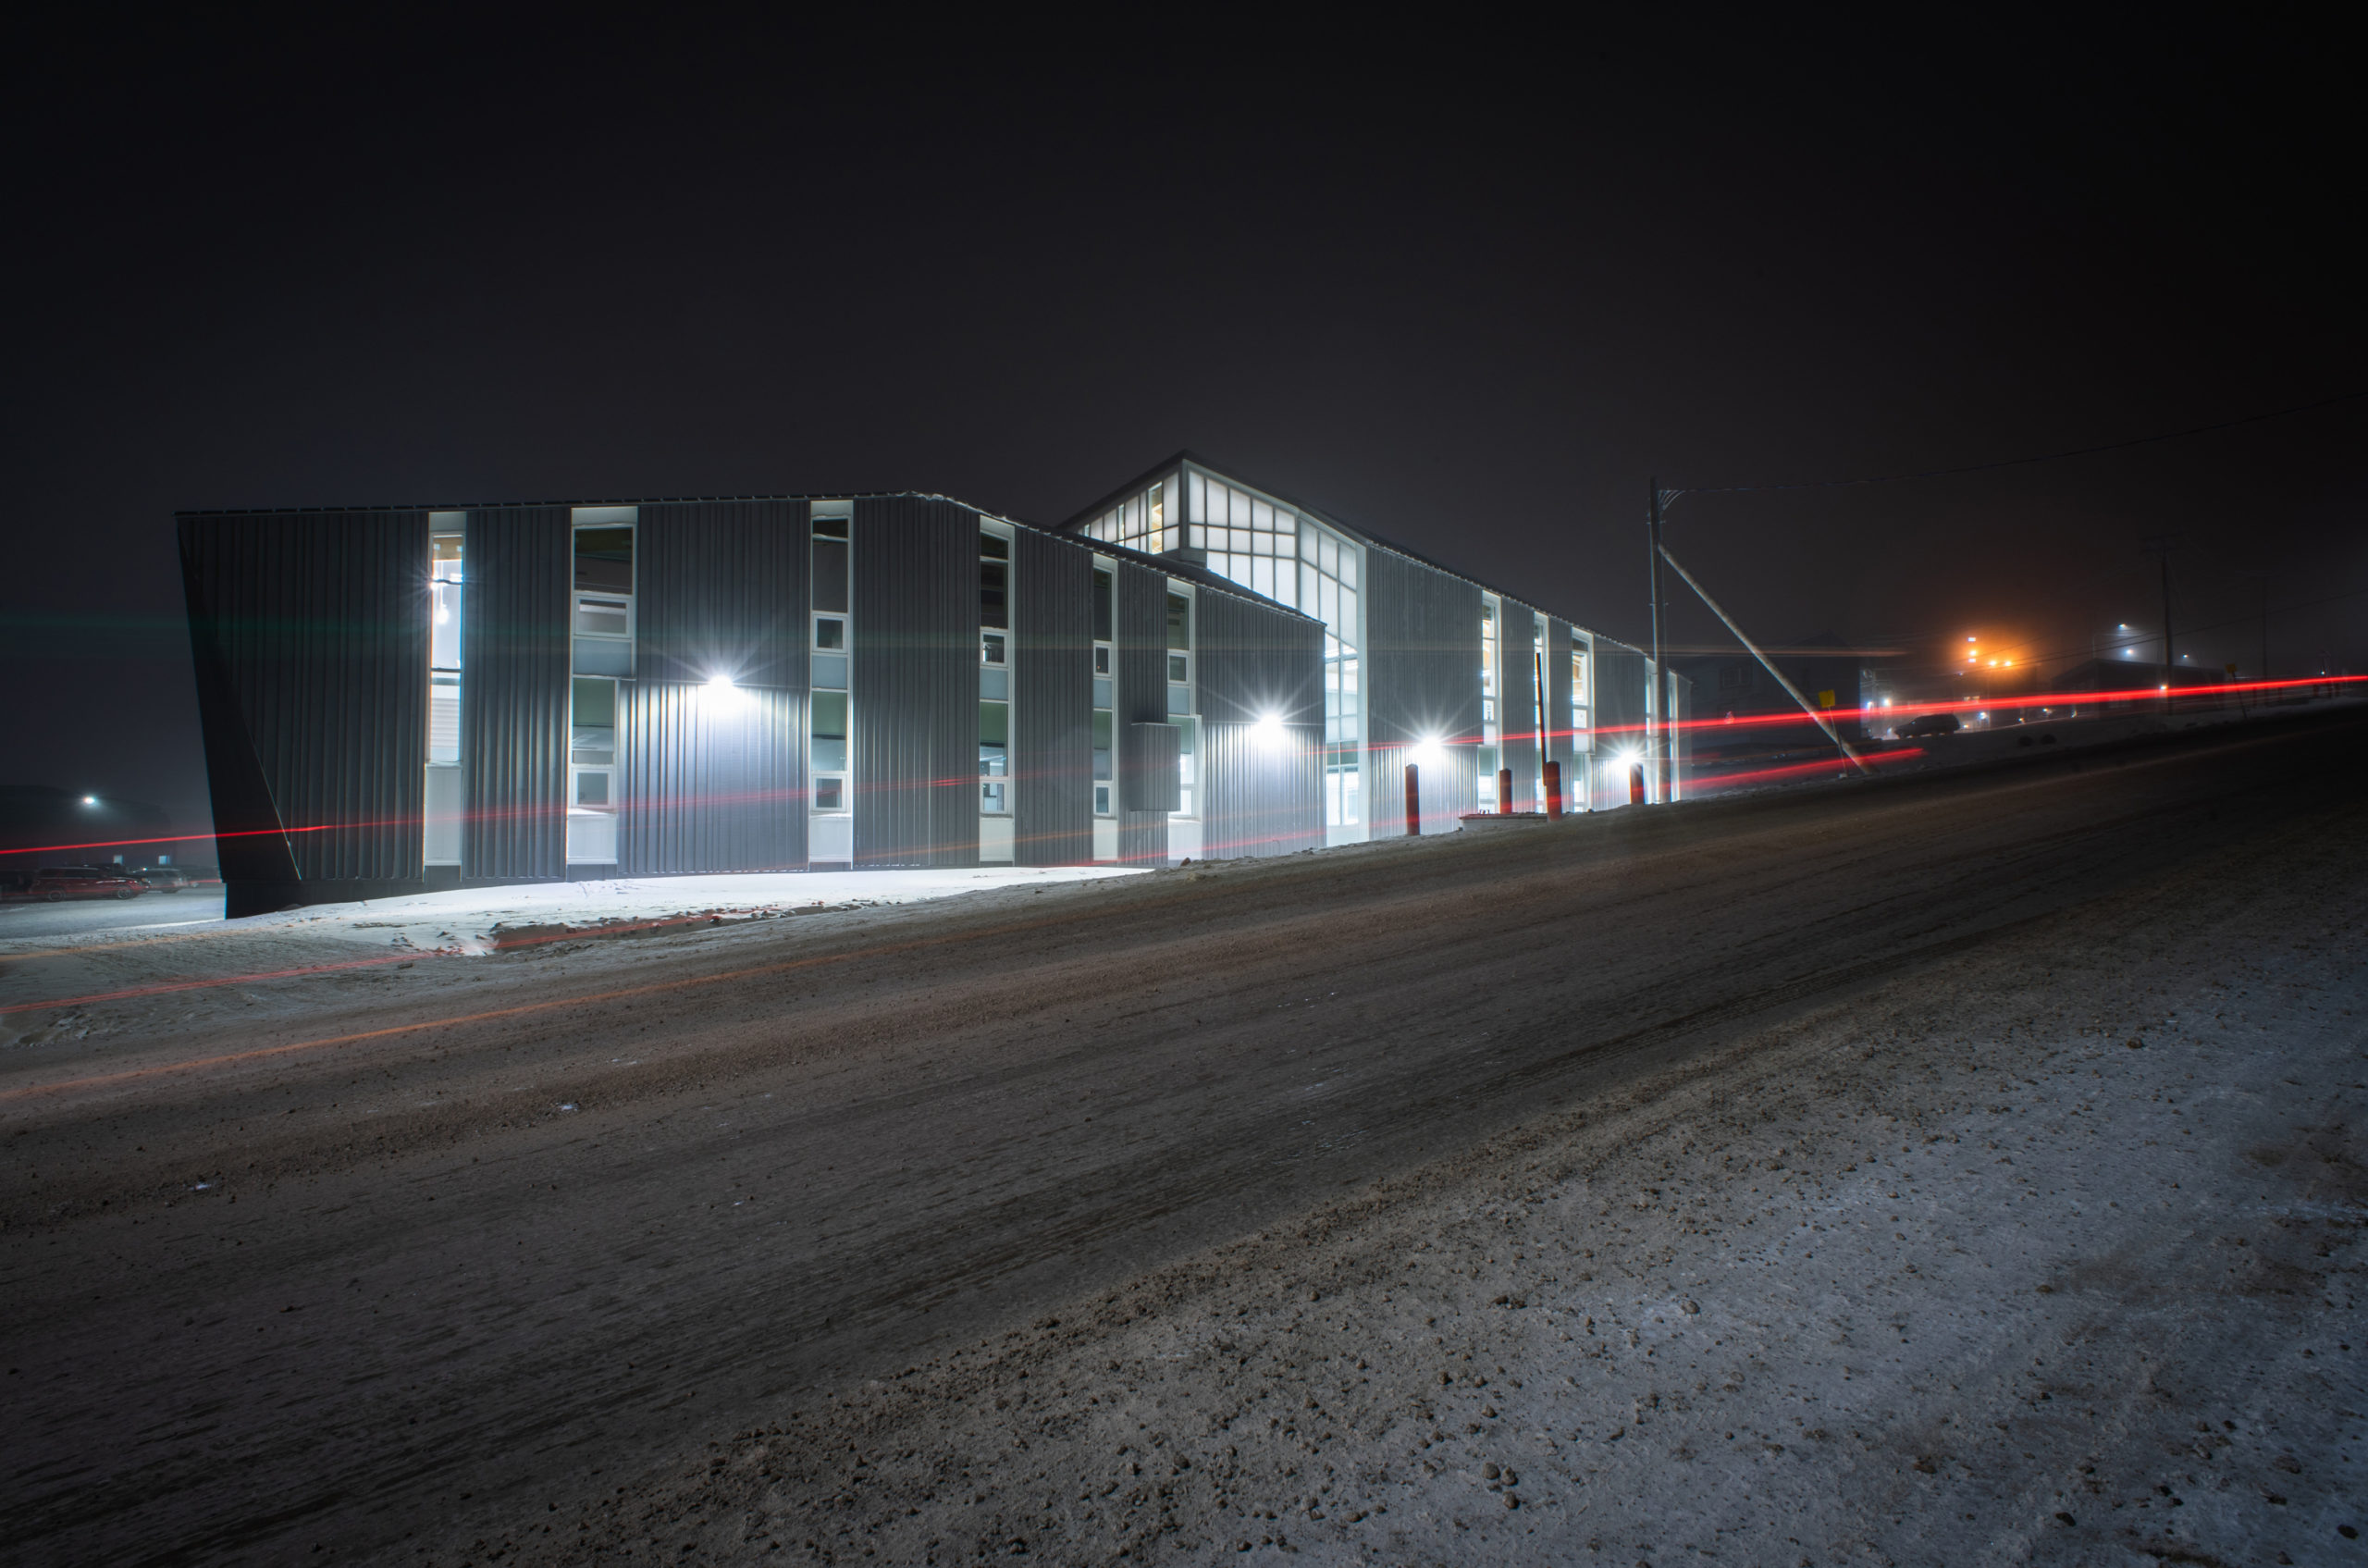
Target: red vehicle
x,y
54,882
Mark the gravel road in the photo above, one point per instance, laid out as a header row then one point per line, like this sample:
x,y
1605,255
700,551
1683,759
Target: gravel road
x,y
1444,1201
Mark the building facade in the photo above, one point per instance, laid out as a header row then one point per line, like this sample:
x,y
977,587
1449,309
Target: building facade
x,y
397,699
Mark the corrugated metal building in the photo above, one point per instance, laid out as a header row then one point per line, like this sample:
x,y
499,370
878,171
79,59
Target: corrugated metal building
x,y
1421,664
397,699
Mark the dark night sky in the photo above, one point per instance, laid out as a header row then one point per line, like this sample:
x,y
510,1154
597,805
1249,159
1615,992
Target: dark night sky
x,y
1468,295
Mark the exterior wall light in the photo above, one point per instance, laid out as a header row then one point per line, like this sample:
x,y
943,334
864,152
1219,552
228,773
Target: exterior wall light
x,y
90,800
1268,730
1426,751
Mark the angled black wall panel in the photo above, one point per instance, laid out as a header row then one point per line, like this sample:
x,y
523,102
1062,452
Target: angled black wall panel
x,y
916,681
1051,715
519,565
310,634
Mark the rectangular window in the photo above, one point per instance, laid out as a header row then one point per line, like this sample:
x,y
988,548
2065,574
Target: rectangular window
x,y
829,633
830,565
445,602
829,749
445,605
604,559
1179,622
601,614
1105,588
994,593
830,795
1582,737
592,736
995,758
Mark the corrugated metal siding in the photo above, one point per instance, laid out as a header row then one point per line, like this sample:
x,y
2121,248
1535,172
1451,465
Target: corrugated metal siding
x,y
310,634
916,682
711,780
1620,716
1518,717
1563,747
519,563
1142,696
1260,796
1052,717
720,587
1422,663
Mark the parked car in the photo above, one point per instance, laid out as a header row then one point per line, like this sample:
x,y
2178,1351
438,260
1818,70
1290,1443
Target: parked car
x,y
1928,724
164,879
54,882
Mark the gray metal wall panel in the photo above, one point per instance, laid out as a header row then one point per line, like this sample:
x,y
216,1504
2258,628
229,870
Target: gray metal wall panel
x,y
1266,796
1260,795
1052,717
1620,716
916,682
712,781
720,587
311,637
519,567
1563,747
1142,695
1518,717
1421,679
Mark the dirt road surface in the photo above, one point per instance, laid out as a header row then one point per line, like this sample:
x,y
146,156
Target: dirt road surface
x,y
1955,1171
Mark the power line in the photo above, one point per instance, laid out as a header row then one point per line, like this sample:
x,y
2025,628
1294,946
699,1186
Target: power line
x,y
2019,461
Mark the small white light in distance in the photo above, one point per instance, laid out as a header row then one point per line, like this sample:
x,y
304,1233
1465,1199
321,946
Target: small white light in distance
x,y
90,800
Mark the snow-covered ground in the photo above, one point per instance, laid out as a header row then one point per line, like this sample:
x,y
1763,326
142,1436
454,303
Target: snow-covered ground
x,y
470,918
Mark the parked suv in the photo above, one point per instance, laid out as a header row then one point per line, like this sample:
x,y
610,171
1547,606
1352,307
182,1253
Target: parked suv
x,y
163,878
1930,724
54,882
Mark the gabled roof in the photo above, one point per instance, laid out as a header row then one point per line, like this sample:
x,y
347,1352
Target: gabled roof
x,y
1364,536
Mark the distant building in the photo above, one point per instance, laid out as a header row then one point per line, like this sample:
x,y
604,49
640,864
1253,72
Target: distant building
x,y
1843,682
396,698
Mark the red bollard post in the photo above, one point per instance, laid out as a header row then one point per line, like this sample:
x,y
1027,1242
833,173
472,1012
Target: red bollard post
x,y
1504,792
1413,801
1636,785
1554,791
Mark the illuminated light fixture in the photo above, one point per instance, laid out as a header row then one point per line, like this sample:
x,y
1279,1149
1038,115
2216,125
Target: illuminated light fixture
x,y
1425,752
1268,730
90,800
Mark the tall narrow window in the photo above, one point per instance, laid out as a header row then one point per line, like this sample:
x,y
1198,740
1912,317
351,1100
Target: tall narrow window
x,y
1105,685
994,685
444,629
447,602
829,724
1180,706
1490,739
